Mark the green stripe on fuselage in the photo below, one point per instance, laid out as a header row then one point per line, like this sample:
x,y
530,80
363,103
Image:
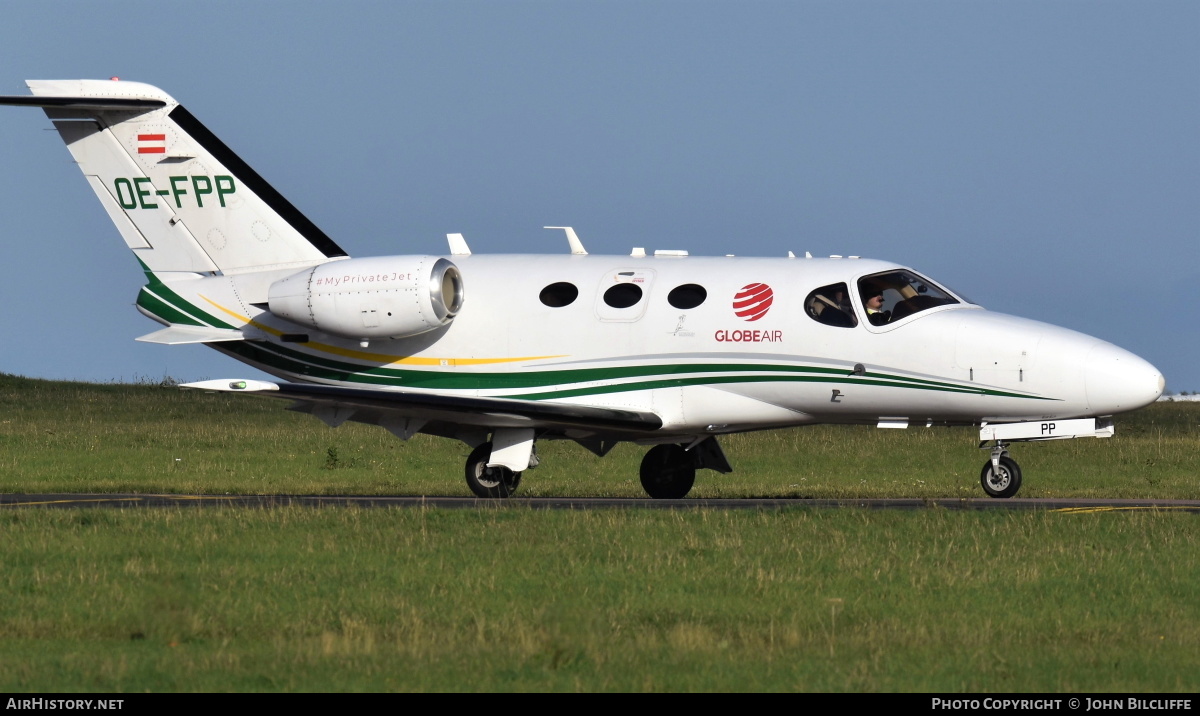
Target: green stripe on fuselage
x,y
307,365
163,302
165,311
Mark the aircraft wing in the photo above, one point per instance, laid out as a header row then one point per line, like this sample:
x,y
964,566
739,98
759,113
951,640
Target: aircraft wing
x,y
376,406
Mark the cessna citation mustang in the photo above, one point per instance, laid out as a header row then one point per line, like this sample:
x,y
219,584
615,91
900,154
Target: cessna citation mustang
x,y
659,348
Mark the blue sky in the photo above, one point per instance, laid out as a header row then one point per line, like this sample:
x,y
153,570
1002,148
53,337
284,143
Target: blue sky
x,y
1041,157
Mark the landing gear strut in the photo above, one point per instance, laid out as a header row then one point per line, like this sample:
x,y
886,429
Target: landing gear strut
x,y
1001,475
668,472
487,481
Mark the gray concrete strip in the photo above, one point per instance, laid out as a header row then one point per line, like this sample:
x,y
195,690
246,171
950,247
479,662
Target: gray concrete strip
x,y
126,500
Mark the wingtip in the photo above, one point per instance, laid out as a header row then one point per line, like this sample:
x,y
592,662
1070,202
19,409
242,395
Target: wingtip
x,y
232,386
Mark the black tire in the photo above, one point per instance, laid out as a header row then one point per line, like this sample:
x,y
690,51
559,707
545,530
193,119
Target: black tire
x,y
489,482
1003,484
667,472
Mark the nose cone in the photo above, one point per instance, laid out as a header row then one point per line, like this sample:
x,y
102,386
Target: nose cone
x,y
1118,381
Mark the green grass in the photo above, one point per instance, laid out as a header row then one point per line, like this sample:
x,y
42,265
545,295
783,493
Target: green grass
x,y
507,598
63,437
511,599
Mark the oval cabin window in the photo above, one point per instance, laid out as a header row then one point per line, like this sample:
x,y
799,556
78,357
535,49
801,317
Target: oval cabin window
x,y
689,295
560,294
623,295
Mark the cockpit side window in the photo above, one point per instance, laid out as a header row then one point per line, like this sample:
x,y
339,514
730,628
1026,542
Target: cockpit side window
x,y
888,297
831,305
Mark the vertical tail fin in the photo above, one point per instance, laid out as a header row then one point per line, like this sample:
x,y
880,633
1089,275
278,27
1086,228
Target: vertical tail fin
x,y
182,200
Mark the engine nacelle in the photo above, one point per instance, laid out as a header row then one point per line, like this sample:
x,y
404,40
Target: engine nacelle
x,y
385,297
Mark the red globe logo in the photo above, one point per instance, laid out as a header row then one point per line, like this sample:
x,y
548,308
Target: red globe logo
x,y
753,301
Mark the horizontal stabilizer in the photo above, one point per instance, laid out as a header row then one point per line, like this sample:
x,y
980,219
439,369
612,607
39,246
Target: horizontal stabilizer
x,y
178,335
96,103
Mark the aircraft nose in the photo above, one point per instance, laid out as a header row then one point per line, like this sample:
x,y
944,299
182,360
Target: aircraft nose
x,y
1118,380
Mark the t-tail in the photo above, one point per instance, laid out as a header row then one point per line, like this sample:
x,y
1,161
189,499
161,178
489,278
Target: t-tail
x,y
182,200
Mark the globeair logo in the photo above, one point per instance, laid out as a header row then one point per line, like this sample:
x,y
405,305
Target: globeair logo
x,y
753,301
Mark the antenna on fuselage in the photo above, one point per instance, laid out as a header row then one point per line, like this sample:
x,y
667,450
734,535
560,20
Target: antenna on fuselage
x,y
458,245
572,239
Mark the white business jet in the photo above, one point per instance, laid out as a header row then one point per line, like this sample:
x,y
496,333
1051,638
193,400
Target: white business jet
x,y
657,348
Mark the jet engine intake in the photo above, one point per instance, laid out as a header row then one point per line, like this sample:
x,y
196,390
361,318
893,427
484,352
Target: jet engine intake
x,y
384,297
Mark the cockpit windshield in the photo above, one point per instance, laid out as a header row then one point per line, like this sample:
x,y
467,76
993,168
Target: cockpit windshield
x,y
890,296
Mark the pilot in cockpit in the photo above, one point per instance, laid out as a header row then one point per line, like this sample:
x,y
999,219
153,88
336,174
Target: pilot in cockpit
x,y
872,296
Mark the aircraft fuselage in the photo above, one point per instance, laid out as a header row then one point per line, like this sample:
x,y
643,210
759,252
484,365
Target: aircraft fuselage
x,y
702,368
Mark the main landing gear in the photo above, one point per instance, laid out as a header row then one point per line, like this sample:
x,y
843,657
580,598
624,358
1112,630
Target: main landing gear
x,y
668,471
484,481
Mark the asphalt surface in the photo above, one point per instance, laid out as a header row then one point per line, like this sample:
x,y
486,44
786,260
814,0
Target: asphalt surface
x,y
132,500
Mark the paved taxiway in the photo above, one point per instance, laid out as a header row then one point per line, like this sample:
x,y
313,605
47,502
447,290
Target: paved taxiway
x,y
11,501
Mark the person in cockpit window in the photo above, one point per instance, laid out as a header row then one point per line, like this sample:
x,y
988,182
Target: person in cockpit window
x,y
873,301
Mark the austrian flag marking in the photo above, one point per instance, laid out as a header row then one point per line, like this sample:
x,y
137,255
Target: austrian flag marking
x,y
753,301
152,143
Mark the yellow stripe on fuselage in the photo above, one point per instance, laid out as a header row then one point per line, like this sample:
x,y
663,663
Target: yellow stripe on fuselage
x,y
375,357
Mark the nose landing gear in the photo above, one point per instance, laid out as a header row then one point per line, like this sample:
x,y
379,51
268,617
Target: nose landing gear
x,y
1001,475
